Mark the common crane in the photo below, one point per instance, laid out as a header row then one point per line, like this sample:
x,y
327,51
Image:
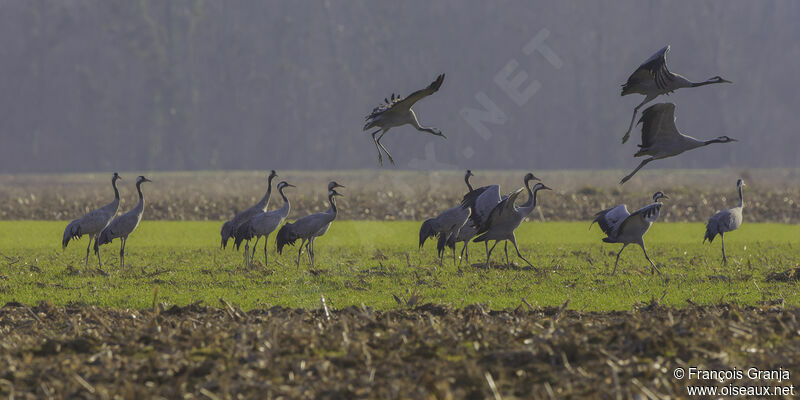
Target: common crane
x,y
93,222
309,227
229,228
396,111
725,221
123,225
653,79
506,217
263,224
483,201
620,226
444,226
661,139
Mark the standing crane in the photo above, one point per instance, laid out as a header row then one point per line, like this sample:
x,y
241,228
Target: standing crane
x,y
506,217
93,222
397,112
229,228
122,226
620,226
653,79
661,139
725,221
263,224
309,227
483,201
445,226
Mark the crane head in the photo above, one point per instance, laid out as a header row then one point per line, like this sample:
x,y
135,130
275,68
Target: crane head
x,y
540,186
142,179
530,177
272,174
333,185
115,177
284,184
332,193
719,79
469,173
724,139
740,183
659,195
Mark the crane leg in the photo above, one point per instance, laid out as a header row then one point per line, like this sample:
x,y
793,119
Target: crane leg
x,y
642,164
308,252
87,250
514,242
652,264
633,118
122,253
378,141
617,262
505,247
489,253
377,147
465,252
253,254
266,239
246,252
486,244
724,259
100,263
300,251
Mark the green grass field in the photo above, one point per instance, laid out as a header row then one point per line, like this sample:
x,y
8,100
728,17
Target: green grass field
x,y
369,261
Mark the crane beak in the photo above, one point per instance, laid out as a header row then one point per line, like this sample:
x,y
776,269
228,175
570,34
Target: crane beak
x,y
146,180
545,187
339,186
665,196
290,185
725,80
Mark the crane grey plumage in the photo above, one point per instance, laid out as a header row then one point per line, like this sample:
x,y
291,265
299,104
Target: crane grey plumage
x,y
445,225
122,226
93,222
620,226
397,112
264,224
506,217
653,79
229,228
725,221
309,227
483,202
661,138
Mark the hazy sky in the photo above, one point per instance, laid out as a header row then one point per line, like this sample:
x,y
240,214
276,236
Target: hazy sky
x,y
153,85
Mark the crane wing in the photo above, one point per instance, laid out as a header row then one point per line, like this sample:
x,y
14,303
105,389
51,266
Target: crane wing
x,y
658,124
409,101
505,206
482,201
643,216
653,71
610,219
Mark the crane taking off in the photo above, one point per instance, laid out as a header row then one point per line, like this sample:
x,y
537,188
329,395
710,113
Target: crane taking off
x,y
396,112
653,79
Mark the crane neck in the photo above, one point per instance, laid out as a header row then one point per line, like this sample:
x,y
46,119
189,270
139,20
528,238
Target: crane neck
x,y
141,197
466,179
531,196
332,200
116,191
741,197
265,200
708,82
286,205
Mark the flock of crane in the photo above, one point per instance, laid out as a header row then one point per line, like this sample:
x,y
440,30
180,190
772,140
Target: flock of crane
x,y
483,214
